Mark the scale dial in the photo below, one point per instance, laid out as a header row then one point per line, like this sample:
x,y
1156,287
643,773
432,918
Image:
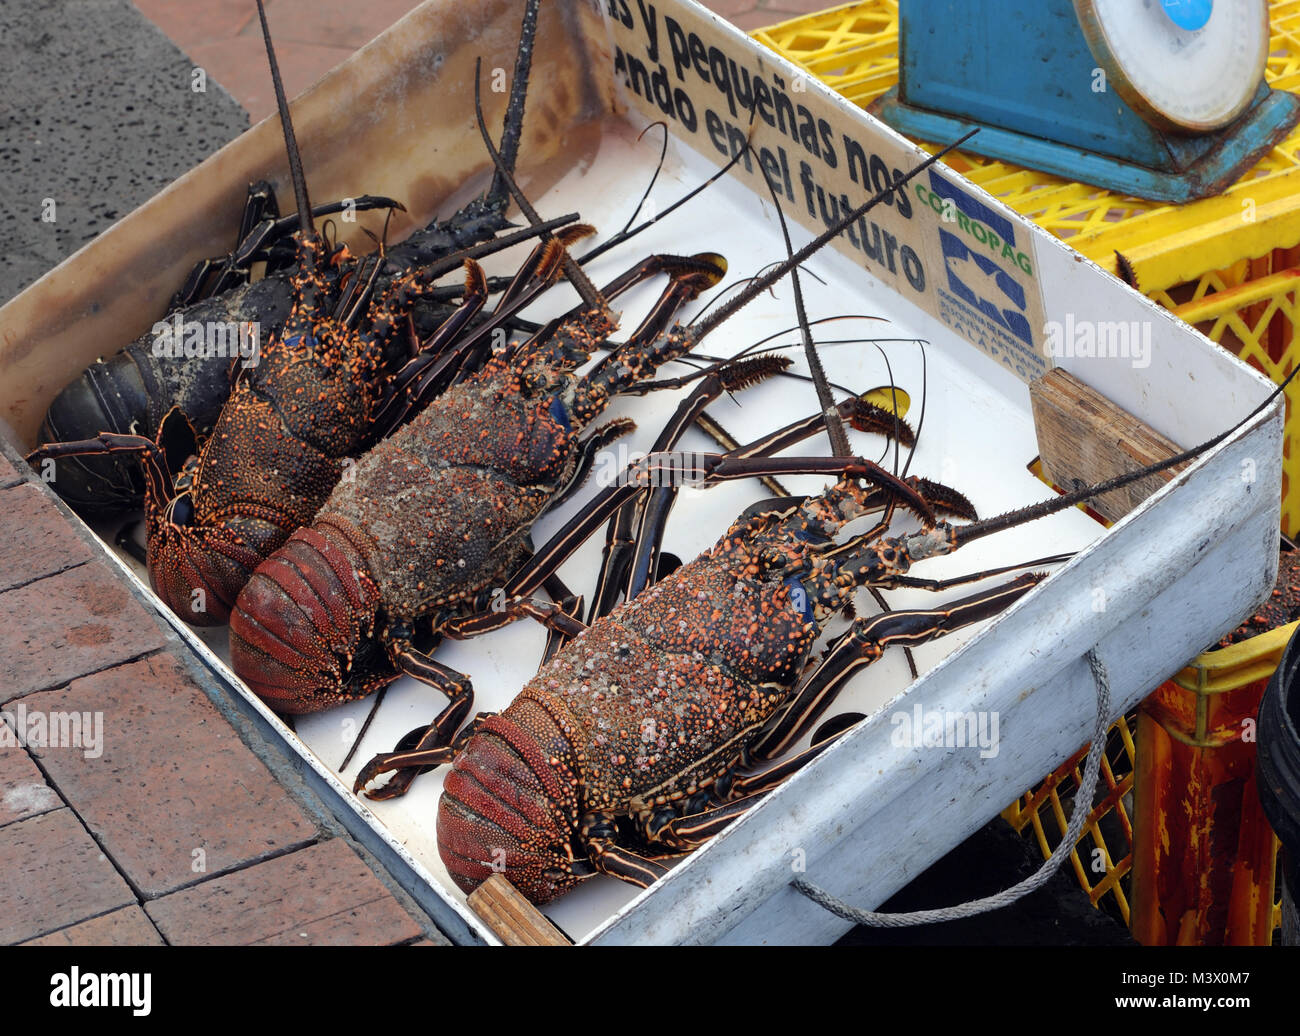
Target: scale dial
x,y
1182,65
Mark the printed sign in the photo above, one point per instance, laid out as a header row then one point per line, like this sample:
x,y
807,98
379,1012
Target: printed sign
x,y
934,242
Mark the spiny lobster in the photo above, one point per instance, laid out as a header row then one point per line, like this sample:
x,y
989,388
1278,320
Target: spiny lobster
x,y
387,551
131,391
280,443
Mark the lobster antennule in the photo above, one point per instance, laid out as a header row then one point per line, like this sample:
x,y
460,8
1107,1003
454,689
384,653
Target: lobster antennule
x,y
305,222
831,416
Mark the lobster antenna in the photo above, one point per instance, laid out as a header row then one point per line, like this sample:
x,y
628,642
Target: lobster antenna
x,y
305,223
761,284
925,394
513,124
965,533
830,412
663,154
626,235
590,294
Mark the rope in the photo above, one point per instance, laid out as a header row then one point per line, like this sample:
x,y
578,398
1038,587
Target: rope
x,y
1082,809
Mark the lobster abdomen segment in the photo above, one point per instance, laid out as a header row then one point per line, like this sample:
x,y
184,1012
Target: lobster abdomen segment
x,y
510,805
300,622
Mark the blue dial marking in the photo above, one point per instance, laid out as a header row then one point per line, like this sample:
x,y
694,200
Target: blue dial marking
x,y
1189,14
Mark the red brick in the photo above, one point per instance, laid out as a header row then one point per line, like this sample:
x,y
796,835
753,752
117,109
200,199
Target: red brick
x,y
173,778
129,926
188,23
239,65
71,624
749,21
37,540
731,8
349,25
53,875
23,791
324,895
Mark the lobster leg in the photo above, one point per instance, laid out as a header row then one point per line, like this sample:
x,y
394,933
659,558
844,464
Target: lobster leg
x,y
708,265
557,637
259,206
413,756
598,835
620,543
553,616
152,456
690,832
427,747
864,643
410,757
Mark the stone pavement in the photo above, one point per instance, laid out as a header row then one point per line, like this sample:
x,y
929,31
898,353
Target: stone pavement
x,y
138,804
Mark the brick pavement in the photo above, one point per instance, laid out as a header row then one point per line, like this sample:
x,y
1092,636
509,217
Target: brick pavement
x,y
153,821
131,811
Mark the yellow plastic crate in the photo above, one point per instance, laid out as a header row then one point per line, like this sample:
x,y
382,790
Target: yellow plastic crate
x,y
1103,856
1229,264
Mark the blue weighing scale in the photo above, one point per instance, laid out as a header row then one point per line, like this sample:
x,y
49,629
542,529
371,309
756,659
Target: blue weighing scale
x,y
1160,99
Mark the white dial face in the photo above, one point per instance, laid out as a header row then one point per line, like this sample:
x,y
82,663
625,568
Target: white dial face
x,y
1187,64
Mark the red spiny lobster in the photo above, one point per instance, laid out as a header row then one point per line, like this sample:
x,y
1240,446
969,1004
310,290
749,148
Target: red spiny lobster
x,y
635,743
281,442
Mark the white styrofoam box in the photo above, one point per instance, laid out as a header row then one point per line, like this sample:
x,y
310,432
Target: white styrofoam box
x,y
994,300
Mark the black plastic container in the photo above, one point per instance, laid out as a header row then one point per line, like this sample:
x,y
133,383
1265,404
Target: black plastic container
x,y
1278,772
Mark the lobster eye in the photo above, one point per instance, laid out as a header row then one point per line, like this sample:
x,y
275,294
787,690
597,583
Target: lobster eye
x,y
181,510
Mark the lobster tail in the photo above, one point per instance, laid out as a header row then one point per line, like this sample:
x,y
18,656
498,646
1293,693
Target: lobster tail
x,y
509,805
299,628
198,572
